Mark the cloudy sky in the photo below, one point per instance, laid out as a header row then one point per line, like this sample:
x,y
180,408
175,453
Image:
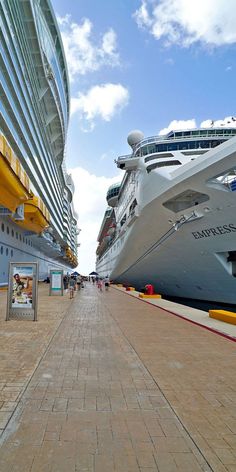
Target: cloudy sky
x,y
152,65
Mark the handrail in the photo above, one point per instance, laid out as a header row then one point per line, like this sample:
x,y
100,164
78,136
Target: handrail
x,y
159,138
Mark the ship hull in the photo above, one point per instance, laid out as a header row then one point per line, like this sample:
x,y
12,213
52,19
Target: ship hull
x,y
186,254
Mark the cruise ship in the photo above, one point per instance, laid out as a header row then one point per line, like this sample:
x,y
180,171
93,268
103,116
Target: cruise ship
x,y
37,218
171,222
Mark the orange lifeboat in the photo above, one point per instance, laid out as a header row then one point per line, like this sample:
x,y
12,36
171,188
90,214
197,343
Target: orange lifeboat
x,y
36,216
14,182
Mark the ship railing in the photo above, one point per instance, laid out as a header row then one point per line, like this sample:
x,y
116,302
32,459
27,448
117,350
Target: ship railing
x,y
157,138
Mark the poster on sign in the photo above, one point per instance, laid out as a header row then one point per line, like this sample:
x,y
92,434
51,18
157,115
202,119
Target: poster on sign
x,y
22,290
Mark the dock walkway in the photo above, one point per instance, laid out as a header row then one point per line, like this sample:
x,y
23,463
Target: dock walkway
x,y
106,383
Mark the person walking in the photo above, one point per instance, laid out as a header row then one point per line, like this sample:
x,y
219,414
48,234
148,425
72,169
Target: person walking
x,y
106,283
79,281
72,287
99,284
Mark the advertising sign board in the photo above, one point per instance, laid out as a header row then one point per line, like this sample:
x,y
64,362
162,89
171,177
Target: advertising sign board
x,y
22,297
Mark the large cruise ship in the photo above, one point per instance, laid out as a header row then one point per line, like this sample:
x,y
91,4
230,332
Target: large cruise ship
x,y
171,222
37,218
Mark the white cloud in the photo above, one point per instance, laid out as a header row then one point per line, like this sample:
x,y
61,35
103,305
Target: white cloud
x,y
184,22
228,121
83,52
102,101
90,204
178,125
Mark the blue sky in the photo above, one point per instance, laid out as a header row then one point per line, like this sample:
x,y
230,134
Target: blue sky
x,y
138,64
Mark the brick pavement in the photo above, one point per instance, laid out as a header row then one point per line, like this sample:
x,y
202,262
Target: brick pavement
x,y
118,385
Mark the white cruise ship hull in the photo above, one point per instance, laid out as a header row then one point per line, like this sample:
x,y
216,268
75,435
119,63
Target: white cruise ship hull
x,y
189,253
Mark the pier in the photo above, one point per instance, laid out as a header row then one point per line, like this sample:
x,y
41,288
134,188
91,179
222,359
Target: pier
x,y
110,382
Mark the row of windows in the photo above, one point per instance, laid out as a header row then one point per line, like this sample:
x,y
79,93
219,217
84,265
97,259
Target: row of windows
x,y
205,132
7,251
178,146
18,236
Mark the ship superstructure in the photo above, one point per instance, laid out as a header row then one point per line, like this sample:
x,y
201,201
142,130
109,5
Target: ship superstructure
x,y
171,221
37,217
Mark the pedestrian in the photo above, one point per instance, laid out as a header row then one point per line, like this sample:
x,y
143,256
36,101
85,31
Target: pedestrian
x,y
99,284
71,287
106,283
65,282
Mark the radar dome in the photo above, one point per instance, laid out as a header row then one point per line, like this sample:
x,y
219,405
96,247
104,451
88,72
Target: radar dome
x,y
135,137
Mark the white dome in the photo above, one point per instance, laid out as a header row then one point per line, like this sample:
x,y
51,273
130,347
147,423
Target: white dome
x,y
134,137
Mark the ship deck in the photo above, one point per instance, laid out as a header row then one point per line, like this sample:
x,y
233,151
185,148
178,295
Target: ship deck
x,y
107,382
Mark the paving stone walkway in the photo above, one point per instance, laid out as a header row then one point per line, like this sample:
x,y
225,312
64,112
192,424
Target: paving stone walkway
x,y
119,385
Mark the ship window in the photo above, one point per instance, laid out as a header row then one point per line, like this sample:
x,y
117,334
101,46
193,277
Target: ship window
x,y
16,235
162,164
150,158
26,241
3,227
192,153
7,251
20,236
172,147
23,239
144,150
123,220
12,253
151,148
185,200
132,207
12,233
1,250
8,230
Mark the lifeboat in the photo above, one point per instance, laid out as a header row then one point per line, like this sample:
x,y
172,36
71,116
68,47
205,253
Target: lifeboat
x,y
14,182
36,216
71,257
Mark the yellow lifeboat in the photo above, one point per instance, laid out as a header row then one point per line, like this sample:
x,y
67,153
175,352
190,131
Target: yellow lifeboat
x,y
71,257
36,216
14,182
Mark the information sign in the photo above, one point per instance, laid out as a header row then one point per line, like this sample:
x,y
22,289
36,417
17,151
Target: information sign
x,y
56,282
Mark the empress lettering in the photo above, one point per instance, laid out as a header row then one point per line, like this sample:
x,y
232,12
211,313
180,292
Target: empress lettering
x,y
217,231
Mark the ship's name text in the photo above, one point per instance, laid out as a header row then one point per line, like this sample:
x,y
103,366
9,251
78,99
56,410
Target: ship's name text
x,y
218,230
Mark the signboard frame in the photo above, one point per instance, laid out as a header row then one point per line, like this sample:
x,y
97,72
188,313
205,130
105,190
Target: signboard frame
x,y
56,282
22,295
